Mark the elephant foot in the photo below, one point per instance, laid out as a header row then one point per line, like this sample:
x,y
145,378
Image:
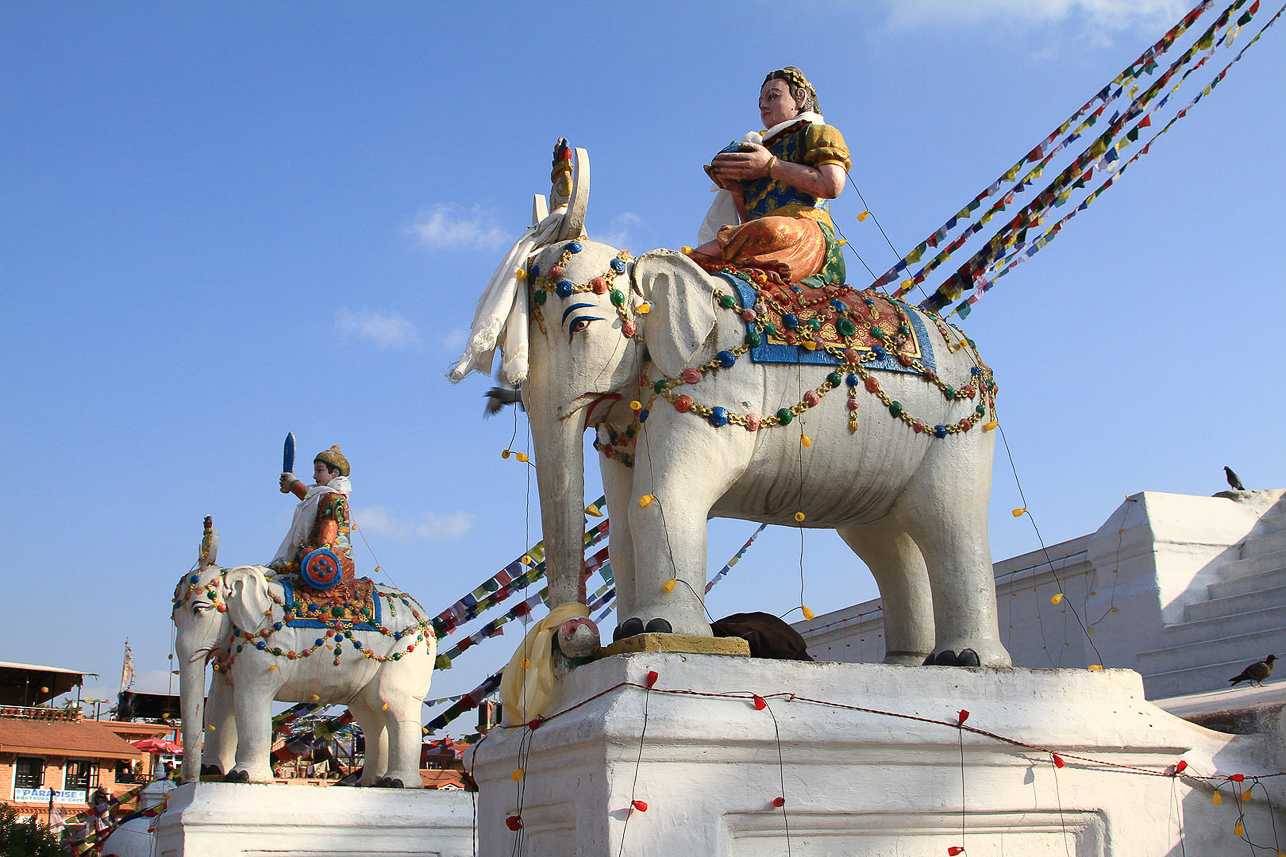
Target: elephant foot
x,y
389,783
211,771
948,658
659,626
235,776
629,628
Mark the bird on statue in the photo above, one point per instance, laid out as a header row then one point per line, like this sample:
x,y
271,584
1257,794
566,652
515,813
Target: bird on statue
x,y
498,398
1256,672
1233,482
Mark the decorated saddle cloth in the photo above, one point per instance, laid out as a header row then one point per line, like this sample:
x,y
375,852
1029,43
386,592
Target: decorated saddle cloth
x,y
805,324
350,601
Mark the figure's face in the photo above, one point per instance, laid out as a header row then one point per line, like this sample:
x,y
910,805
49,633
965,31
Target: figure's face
x,y
321,473
776,104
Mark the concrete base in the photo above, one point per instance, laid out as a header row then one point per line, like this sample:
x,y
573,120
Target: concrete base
x,y
709,765
233,819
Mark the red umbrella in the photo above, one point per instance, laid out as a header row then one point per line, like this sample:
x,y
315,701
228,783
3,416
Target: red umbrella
x,y
159,745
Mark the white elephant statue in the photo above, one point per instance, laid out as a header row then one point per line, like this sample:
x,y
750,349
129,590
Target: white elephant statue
x,y
373,653
653,353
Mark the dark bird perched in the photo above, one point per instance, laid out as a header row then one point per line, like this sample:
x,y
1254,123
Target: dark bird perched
x,y
1233,482
1256,672
498,397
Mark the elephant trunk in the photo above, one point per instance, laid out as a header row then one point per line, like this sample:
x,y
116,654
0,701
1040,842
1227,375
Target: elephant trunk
x,y
560,474
192,703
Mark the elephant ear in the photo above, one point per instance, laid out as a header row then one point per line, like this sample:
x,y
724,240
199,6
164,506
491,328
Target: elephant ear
x,y
245,591
682,297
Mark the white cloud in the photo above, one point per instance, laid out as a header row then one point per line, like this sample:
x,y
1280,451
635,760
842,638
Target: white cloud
x,y
447,225
387,330
1100,16
621,230
431,526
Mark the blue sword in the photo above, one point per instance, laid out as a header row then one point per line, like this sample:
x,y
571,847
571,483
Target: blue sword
x,y
288,457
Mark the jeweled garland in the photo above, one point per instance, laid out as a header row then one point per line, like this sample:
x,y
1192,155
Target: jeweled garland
x,y
850,372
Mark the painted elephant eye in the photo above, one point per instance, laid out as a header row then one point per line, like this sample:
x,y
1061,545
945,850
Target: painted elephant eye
x,y
580,324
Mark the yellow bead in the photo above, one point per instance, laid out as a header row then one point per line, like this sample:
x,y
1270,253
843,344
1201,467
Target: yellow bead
x,y
315,696
1238,829
668,586
842,242
1096,666
808,614
799,516
211,727
1018,513
862,217
521,273
991,426
643,309
907,284
636,405
1057,598
516,775
685,250
521,456
810,345
385,708
504,453
526,664
646,500
527,560
377,569
1216,799
271,668
805,440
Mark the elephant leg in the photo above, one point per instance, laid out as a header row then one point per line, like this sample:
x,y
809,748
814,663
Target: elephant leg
x,y
669,535
253,704
372,723
946,514
402,733
220,745
899,571
617,487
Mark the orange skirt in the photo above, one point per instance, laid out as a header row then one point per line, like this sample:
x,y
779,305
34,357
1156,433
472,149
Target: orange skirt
x,y
796,242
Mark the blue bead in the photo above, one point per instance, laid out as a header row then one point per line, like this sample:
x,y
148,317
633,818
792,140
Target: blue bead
x,y
319,641
839,306
564,288
975,371
726,358
851,380
880,353
868,302
575,247
535,271
790,320
719,417
796,289
618,266
939,431
643,414
276,626
195,578
261,645
357,644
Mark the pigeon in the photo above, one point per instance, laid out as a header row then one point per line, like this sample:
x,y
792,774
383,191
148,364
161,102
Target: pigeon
x,y
498,397
1233,482
1256,672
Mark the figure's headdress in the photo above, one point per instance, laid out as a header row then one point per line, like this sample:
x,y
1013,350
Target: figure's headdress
x,y
334,458
802,91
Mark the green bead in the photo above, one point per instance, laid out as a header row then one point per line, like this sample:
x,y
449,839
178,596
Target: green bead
x,y
980,410
846,327
753,339
541,296
949,391
659,386
618,297
727,301
904,330
815,324
337,612
895,408
877,333
835,379
784,416
770,329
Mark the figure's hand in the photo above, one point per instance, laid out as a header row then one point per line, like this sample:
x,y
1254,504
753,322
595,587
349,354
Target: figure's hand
x,y
286,480
734,187
747,165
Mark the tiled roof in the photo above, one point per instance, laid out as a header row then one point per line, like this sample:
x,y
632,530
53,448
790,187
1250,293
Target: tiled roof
x,y
64,738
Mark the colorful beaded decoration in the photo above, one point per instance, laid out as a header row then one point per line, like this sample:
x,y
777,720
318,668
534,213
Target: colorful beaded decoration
x,y
849,373
337,629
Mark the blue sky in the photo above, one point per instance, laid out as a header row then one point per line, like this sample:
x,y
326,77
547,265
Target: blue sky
x,y
229,221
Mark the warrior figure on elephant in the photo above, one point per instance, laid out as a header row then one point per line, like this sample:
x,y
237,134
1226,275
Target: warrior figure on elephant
x,y
322,519
775,185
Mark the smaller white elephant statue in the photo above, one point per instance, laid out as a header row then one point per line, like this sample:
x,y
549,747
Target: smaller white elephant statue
x,y
363,645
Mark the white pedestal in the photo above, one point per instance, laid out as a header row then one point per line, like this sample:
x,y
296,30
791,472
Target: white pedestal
x,y
234,819
861,781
